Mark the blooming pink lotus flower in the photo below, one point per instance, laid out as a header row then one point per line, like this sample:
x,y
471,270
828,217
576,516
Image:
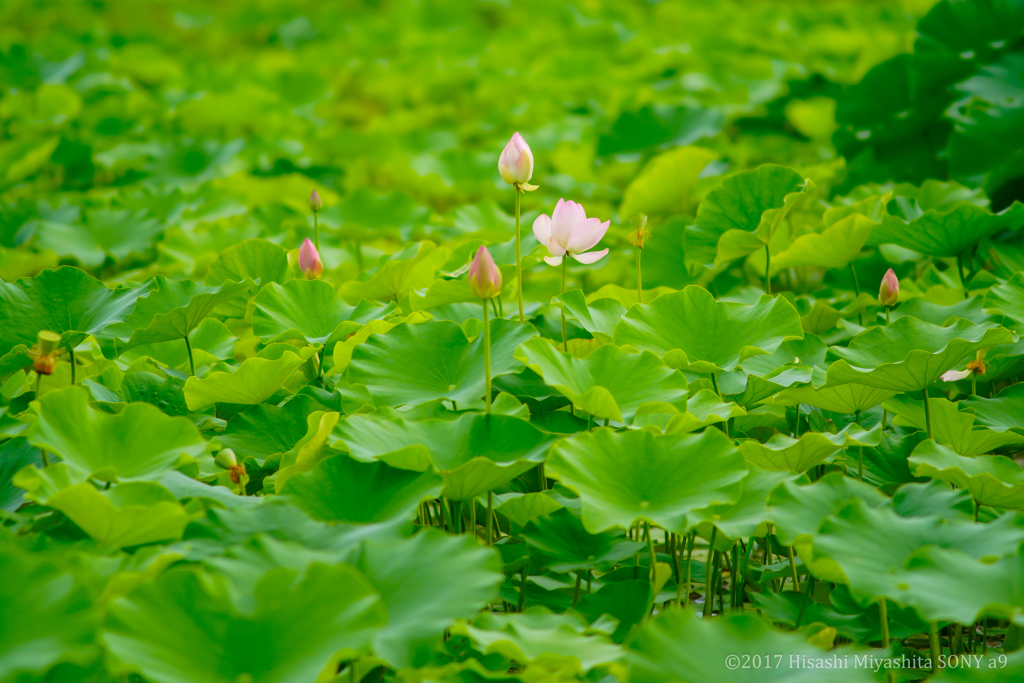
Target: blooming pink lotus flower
x,y
484,276
889,290
309,260
516,161
569,231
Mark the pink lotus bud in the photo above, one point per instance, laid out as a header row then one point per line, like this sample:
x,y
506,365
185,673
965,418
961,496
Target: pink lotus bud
x,y
516,161
309,261
889,291
484,276
315,203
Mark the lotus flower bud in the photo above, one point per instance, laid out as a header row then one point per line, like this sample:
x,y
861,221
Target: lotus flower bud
x,y
889,291
516,161
226,459
484,276
309,261
315,203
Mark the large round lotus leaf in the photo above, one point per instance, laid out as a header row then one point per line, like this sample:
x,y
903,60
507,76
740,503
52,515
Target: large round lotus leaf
x,y
1003,412
1007,298
909,354
844,398
739,203
520,508
266,430
837,246
944,233
560,543
413,364
702,409
399,275
345,490
681,647
426,582
604,384
474,453
992,479
625,477
748,515
140,442
784,453
252,383
869,548
800,509
14,455
184,628
950,426
175,310
667,182
599,317
309,310
545,642
68,301
254,259
47,616
691,330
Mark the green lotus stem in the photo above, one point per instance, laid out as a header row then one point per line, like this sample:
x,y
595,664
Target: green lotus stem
x,y
792,568
639,287
654,557
887,309
960,269
885,417
689,568
519,260
494,307
984,636
807,597
74,364
856,289
522,590
446,515
487,360
490,518
191,360
956,644
316,232
935,645
709,581
927,413
320,366
46,458
734,592
39,379
974,384
767,270
796,430
576,591
883,615
472,517
565,343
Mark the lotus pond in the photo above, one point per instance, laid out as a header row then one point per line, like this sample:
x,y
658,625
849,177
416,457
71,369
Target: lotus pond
x,y
466,341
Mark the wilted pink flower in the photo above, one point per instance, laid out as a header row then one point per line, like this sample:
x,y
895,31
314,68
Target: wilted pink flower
x,y
484,276
516,161
975,367
315,203
568,230
309,260
889,291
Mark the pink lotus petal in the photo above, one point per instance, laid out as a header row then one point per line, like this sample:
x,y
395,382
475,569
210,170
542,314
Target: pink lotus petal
x,y
554,248
564,218
586,234
553,260
955,375
542,228
591,256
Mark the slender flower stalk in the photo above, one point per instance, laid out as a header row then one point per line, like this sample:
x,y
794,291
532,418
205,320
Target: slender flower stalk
x,y
315,204
485,283
516,168
638,238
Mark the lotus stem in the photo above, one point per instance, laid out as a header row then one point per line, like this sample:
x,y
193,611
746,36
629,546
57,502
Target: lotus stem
x,y
974,384
887,310
74,364
654,557
792,569
576,591
927,413
796,430
519,258
639,287
522,590
316,234
39,379
689,566
935,645
191,360
472,517
490,518
807,597
487,360
883,615
768,270
565,342
709,578
960,269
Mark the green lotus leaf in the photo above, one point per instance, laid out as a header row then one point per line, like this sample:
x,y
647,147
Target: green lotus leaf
x,y
658,478
941,232
910,354
740,203
837,246
995,667
398,276
560,543
691,330
667,182
799,510
991,479
47,616
702,409
446,292
184,628
310,310
945,313
15,454
140,442
414,364
67,301
1007,298
175,310
609,383
264,431
252,383
211,343
819,316
545,642
254,259
843,398
426,582
786,454
598,317
343,350
749,515
950,426
473,453
681,647
521,508
949,585
1003,412
346,490
868,548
